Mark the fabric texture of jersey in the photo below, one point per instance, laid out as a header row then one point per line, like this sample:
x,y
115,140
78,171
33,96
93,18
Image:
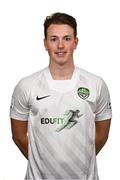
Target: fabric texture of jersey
x,y
61,117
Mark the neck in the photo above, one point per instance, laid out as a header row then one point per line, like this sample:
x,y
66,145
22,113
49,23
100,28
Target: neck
x,y
61,72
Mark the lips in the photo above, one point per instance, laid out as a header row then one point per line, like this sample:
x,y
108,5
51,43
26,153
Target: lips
x,y
60,53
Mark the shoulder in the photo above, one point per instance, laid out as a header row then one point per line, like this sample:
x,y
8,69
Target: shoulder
x,y
28,82
90,78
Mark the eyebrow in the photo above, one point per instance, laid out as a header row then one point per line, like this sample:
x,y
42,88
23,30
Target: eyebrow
x,y
54,36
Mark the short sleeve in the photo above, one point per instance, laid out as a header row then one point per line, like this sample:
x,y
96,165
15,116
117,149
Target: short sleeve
x,y
103,103
20,108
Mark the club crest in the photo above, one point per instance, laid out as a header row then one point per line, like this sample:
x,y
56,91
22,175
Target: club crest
x,y
83,92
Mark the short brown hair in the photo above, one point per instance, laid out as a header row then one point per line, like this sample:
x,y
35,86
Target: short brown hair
x,y
60,18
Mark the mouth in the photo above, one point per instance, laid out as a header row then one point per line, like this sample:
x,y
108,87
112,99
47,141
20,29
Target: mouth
x,y
60,53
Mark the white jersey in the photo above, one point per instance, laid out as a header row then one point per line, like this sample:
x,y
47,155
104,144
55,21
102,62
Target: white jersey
x,y
61,117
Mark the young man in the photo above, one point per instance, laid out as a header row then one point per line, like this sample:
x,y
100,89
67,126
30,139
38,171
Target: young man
x,y
60,116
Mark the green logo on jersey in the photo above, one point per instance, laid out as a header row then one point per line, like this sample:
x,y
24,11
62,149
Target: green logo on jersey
x,y
83,92
69,119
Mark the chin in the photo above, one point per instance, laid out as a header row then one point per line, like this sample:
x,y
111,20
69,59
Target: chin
x,y
61,62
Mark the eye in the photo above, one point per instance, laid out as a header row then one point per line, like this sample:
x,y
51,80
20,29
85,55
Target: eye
x,y
67,38
53,39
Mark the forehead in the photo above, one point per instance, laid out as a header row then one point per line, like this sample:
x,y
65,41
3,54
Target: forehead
x,y
60,30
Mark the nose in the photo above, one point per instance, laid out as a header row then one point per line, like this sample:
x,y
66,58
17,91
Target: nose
x,y
60,44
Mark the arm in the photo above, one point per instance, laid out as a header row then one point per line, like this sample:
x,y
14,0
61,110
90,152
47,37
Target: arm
x,y
102,132
19,134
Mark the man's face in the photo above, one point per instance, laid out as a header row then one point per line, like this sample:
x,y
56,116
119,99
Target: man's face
x,y
60,43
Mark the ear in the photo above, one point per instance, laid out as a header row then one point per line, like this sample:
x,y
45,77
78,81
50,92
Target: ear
x,y
76,42
45,44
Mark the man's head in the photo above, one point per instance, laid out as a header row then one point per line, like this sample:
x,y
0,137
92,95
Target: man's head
x,y
60,18
60,38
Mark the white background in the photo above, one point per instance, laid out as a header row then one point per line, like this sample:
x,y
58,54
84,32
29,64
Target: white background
x,y
22,53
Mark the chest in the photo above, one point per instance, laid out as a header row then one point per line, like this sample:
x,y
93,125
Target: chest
x,y
53,103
